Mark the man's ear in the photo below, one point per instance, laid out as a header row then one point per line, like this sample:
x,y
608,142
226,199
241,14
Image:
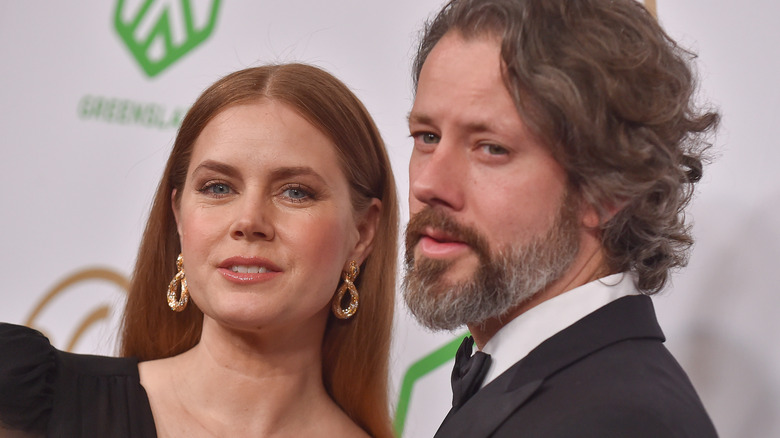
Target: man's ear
x,y
367,224
593,218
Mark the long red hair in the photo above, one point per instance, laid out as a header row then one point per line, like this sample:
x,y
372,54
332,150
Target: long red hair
x,y
355,352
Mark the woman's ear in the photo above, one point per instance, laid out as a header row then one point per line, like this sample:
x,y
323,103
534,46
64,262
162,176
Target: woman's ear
x,y
175,208
367,224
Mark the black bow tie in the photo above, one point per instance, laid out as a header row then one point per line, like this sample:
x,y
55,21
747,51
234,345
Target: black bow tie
x,y
469,372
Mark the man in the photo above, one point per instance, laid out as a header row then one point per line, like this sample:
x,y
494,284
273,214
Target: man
x,y
556,144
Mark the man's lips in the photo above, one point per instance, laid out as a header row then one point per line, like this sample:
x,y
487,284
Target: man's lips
x,y
434,233
438,244
440,236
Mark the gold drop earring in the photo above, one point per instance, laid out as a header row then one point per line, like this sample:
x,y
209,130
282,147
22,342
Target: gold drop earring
x,y
180,278
348,285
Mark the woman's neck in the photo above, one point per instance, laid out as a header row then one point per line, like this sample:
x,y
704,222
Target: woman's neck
x,y
242,383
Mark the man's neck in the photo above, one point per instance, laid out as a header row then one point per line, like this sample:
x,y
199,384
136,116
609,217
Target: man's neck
x,y
590,265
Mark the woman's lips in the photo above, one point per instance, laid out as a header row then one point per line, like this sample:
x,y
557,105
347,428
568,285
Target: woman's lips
x,y
248,270
247,278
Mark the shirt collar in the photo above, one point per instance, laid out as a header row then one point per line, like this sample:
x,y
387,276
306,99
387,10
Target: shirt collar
x,y
525,332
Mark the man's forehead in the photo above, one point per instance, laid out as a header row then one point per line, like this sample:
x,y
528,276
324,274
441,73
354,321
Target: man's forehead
x,y
468,122
475,52
490,110
462,66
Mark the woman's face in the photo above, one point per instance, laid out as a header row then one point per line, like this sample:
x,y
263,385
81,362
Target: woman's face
x,y
265,219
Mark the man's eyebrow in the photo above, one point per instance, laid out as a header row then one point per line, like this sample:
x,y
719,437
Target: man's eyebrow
x,y
478,127
418,118
473,126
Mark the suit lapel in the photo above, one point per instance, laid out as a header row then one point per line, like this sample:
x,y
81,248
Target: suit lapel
x,y
629,317
487,409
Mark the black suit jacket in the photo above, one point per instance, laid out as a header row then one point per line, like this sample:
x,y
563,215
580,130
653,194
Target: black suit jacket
x,y
607,375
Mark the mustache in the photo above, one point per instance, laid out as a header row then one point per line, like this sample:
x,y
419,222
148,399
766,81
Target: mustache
x,y
429,217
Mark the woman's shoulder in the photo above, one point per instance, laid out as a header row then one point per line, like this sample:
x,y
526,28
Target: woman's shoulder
x,y
44,387
27,367
26,351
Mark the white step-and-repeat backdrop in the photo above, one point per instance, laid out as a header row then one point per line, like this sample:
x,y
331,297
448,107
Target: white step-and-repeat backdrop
x,y
91,94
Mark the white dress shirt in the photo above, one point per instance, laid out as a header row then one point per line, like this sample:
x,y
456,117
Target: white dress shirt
x,y
524,333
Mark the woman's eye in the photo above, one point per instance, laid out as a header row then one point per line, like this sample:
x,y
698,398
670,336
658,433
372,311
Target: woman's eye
x,y
297,194
220,189
217,189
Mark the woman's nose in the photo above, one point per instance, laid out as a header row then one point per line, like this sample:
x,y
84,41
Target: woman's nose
x,y
253,221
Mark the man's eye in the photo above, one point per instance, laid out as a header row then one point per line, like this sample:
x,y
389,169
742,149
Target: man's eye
x,y
429,138
493,149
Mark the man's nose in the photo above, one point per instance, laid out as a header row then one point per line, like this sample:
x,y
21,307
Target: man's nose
x,y
436,178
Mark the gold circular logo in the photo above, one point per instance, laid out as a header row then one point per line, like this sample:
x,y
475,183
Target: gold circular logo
x,y
85,302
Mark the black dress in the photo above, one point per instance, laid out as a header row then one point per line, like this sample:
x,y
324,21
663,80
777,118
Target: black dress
x,y
52,393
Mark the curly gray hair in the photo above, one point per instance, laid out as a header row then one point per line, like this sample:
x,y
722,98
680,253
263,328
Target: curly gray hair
x,y
612,95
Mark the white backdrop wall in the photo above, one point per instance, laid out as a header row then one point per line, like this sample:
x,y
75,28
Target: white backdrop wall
x,y
85,131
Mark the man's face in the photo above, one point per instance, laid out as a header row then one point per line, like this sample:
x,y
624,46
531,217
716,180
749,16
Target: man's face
x,y
485,195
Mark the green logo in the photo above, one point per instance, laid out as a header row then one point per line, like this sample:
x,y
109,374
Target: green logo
x,y
129,112
418,370
160,32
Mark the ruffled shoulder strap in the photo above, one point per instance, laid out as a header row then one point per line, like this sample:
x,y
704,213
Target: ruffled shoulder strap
x,y
27,370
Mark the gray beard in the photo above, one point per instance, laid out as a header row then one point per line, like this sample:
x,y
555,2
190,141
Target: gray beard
x,y
501,282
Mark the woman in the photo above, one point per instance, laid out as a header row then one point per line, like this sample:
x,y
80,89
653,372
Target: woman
x,y
276,216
